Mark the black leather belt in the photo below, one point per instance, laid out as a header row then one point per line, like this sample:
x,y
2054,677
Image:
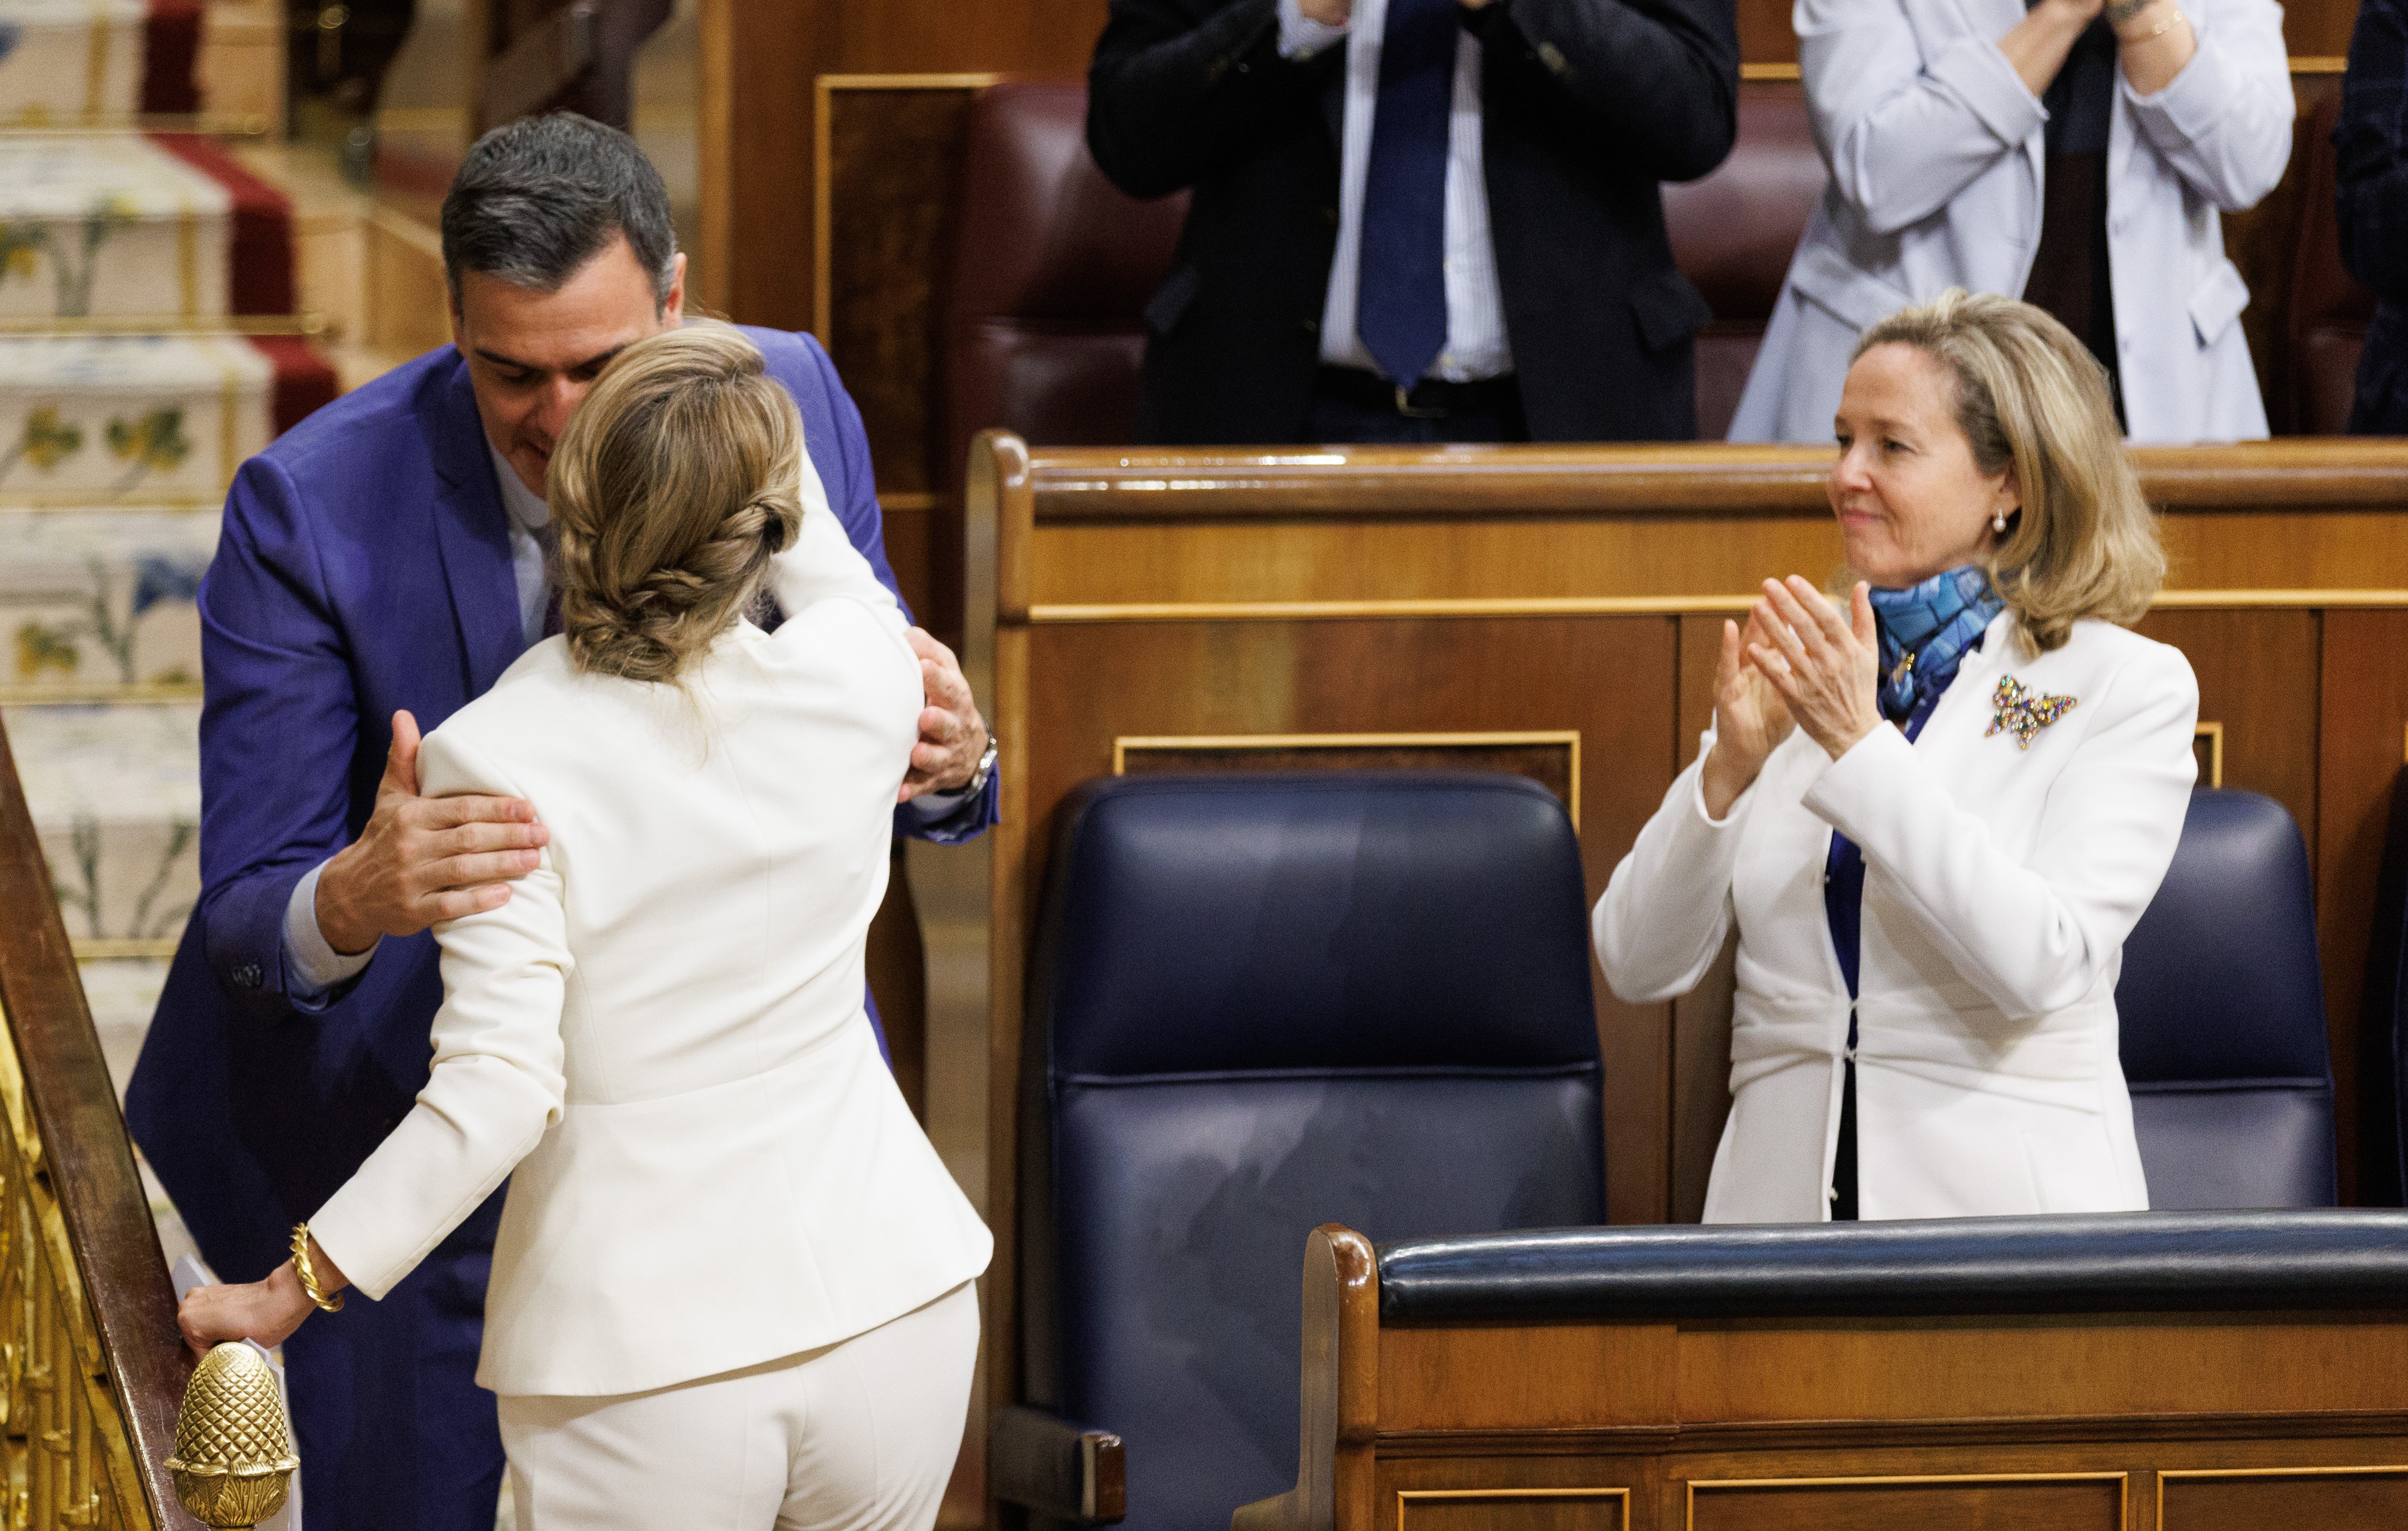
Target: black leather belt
x,y
1431,398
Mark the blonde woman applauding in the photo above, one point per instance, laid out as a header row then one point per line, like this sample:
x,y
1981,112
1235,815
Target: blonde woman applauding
x,y
1932,814
733,1282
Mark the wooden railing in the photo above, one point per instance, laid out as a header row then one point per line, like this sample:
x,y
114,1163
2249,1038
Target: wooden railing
x,y
91,1368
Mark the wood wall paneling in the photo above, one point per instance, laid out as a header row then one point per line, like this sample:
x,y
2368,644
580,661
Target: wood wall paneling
x,y
2250,666
2251,1500
2093,1502
2364,721
761,60
893,162
1512,1509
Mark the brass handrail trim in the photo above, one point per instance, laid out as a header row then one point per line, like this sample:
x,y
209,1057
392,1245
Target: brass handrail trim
x,y
98,1394
92,1287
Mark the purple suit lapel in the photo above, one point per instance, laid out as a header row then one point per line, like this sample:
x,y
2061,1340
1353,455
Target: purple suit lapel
x,y
472,535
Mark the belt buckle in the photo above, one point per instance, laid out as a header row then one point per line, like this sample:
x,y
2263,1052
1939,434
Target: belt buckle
x,y
1405,407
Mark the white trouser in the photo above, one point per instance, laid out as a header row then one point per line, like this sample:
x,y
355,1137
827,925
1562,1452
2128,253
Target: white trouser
x,y
859,1436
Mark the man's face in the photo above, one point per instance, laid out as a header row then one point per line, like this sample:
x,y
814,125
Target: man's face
x,y
532,355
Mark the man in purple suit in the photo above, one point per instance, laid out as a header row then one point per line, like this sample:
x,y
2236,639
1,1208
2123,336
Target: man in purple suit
x,y
379,567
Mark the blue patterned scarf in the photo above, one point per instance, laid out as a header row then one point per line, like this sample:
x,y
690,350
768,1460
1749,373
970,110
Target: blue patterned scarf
x,y
1924,631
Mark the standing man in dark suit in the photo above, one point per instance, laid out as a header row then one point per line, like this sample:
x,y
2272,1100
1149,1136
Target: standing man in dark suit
x,y
379,567
2372,142
1417,220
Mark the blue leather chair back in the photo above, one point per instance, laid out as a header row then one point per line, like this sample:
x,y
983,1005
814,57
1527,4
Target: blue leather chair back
x,y
2383,1013
1260,1003
2223,1013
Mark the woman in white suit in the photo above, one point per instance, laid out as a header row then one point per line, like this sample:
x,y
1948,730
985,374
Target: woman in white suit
x,y
1934,818
732,1287
2075,154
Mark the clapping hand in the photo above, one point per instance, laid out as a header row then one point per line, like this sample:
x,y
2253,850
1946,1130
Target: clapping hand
x,y
1823,666
1750,719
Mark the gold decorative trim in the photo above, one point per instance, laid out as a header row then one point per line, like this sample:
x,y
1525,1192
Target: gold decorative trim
x,y
120,948
75,1463
95,62
1457,739
911,499
1255,610
244,324
216,124
1621,1497
824,90
2123,1485
187,262
2265,1472
190,504
2214,734
155,693
73,502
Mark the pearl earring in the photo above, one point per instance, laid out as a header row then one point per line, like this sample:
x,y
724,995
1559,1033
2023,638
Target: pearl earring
x,y
1998,521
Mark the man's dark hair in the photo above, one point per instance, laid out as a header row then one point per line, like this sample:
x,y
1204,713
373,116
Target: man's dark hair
x,y
538,198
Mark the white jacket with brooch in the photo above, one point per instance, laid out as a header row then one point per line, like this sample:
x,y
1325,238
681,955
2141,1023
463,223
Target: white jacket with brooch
x,y
2000,884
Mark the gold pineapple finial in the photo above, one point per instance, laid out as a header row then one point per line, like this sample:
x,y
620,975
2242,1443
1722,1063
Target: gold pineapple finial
x,y
234,1463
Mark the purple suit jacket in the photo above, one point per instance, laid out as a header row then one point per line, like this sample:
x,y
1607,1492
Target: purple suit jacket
x,y
363,568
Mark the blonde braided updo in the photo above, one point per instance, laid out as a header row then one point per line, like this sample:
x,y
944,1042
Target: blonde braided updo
x,y
674,484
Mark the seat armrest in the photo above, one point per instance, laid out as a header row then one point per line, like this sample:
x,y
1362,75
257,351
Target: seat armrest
x,y
1056,1467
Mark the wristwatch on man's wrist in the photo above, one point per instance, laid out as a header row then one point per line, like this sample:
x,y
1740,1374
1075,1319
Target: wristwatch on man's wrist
x,y
984,769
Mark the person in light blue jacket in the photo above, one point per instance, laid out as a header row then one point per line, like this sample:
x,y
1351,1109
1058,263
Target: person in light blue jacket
x,y
2075,153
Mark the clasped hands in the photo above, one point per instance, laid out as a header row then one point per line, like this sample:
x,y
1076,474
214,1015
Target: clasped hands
x,y
1799,664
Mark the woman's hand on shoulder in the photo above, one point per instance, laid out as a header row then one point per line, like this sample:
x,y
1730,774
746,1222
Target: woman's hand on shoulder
x,y
1750,721
1823,665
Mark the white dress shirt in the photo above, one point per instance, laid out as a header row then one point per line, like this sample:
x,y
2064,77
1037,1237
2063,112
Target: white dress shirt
x,y
1475,313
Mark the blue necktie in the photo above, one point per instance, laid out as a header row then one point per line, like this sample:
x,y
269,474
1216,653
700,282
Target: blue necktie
x,y
1400,304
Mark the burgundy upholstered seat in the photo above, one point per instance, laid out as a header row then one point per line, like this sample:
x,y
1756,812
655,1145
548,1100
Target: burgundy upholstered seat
x,y
2325,325
1734,232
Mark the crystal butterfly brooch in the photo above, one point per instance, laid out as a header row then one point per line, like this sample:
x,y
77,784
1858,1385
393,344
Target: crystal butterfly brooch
x,y
2018,710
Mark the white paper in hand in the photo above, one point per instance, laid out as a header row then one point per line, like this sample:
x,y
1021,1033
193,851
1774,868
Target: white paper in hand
x,y
190,1273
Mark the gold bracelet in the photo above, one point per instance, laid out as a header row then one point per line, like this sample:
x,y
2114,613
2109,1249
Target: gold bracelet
x,y
2162,28
309,1273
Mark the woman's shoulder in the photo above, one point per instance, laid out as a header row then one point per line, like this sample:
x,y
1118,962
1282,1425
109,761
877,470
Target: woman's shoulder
x,y
497,732
2124,669
2110,646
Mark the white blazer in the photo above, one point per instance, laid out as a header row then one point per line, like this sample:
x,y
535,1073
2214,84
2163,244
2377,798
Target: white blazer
x,y
662,1031
1936,150
2000,884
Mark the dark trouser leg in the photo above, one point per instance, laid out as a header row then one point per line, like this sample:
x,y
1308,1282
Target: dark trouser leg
x,y
1843,1162
395,1435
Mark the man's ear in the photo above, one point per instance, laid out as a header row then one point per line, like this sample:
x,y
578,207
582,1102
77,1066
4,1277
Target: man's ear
x,y
459,330
673,305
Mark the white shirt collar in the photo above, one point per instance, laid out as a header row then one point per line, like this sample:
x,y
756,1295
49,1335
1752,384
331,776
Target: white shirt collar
x,y
526,508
